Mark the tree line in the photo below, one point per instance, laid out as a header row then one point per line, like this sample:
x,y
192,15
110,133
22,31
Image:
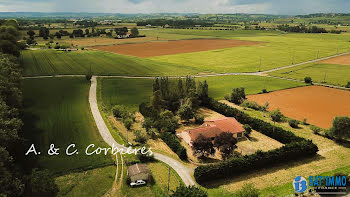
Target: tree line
x,y
301,29
18,178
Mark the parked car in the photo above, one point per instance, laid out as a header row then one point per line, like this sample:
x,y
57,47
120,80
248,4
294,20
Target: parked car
x,y
138,183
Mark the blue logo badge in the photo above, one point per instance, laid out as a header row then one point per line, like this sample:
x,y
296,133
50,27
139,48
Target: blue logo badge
x,y
300,184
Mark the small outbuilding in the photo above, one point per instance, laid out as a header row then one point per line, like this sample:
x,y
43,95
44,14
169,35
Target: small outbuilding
x,y
139,172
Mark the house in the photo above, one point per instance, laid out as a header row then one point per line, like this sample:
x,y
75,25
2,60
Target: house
x,y
139,172
213,128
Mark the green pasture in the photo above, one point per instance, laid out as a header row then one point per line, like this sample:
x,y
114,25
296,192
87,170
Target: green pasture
x,y
275,50
179,34
323,73
52,62
94,182
56,111
132,92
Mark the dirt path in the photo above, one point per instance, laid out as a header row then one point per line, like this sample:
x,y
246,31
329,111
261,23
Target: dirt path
x,y
183,171
114,188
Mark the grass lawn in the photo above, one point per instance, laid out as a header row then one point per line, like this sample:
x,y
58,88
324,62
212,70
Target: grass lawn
x,y
52,62
132,92
276,50
94,182
331,157
56,111
335,74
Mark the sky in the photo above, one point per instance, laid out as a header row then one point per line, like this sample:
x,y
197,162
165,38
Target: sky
x,y
285,7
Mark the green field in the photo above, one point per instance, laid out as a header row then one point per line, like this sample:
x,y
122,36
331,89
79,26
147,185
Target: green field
x,y
56,111
332,73
276,50
51,62
132,92
94,182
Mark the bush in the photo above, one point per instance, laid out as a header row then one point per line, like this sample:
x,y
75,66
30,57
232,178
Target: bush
x,y
238,95
315,130
293,123
128,123
248,129
248,190
185,112
348,85
88,77
254,105
119,111
308,80
145,157
199,119
189,191
305,122
174,144
139,137
276,115
341,127
264,91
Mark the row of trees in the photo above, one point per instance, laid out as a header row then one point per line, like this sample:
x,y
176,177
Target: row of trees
x,y
301,29
174,23
17,176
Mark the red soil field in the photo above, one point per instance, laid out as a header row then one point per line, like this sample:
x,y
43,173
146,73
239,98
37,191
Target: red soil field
x,y
149,49
342,60
319,105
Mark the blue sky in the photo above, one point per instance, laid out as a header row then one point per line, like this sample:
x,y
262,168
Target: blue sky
x,y
290,7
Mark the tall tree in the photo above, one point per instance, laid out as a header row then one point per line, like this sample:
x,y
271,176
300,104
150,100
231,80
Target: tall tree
x,y
341,127
134,32
203,146
226,143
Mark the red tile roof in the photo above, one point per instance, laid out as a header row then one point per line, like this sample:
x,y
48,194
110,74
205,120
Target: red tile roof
x,y
227,124
212,128
206,131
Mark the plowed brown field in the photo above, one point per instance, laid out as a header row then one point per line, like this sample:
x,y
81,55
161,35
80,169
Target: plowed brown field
x,y
150,49
342,60
319,105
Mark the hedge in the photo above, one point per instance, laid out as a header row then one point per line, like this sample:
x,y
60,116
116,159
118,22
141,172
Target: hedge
x,y
263,127
173,142
295,148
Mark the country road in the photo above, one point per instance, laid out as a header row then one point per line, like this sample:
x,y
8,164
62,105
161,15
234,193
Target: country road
x,y
182,171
